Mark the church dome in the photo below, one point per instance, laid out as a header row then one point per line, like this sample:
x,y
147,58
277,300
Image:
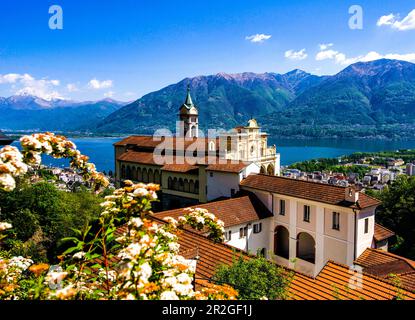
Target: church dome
x,y
252,123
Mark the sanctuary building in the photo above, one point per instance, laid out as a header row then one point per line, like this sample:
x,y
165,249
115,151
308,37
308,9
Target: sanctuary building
x,y
192,169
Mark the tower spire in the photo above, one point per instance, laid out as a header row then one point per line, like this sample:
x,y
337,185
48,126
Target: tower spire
x,y
188,101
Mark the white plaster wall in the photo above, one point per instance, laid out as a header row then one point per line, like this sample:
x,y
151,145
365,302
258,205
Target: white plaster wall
x,y
220,184
256,241
363,240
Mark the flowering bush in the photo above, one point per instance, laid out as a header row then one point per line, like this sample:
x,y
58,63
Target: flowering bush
x,y
201,219
14,163
129,255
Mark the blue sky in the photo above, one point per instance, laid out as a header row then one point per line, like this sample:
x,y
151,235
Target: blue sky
x,y
125,49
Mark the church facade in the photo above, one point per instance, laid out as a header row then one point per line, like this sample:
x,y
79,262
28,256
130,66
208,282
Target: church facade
x,y
214,170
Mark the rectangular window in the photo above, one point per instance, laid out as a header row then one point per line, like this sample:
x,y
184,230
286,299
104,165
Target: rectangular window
x,y
336,221
228,235
241,233
366,225
282,207
211,174
258,227
306,213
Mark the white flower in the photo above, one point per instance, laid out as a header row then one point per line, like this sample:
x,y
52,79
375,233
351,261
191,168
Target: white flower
x,y
145,272
173,246
79,255
140,192
168,295
184,278
136,222
7,182
5,226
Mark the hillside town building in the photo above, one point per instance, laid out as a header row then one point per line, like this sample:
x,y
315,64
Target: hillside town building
x,y
192,169
316,230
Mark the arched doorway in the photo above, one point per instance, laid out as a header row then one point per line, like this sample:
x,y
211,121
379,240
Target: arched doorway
x,y
270,170
306,247
263,170
282,242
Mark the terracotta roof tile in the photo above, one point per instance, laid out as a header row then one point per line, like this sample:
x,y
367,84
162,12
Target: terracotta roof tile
x,y
335,281
232,212
137,157
179,167
382,233
385,264
176,142
320,192
228,167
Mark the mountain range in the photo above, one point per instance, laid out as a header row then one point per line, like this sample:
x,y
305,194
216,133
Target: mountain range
x,y
366,99
28,112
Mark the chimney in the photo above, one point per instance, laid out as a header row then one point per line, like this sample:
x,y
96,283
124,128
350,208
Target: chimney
x,y
351,194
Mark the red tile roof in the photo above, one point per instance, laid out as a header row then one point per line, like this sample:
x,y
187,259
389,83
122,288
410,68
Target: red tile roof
x,y
179,167
137,157
335,281
315,191
232,212
232,167
385,264
180,164
382,233
176,142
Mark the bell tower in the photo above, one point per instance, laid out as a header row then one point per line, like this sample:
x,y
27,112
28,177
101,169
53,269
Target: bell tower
x,y
189,117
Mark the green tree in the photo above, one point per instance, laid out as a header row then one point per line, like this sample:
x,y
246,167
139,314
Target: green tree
x,y
255,278
42,215
397,212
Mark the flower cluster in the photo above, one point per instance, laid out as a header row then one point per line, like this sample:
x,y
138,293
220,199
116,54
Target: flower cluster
x,y
59,147
131,200
11,165
143,262
201,219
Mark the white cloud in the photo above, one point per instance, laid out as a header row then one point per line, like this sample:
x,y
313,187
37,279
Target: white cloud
x,y
258,38
72,87
342,59
26,84
326,54
96,84
407,23
325,46
296,55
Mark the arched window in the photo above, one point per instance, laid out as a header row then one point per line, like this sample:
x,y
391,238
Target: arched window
x,y
197,186
181,184
128,174
229,144
263,170
145,175
306,247
186,187
134,174
156,176
211,146
139,175
123,172
150,175
175,185
191,186
270,170
170,183
282,242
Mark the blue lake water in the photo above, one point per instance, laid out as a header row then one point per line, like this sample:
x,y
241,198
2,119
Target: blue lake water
x,y
101,151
